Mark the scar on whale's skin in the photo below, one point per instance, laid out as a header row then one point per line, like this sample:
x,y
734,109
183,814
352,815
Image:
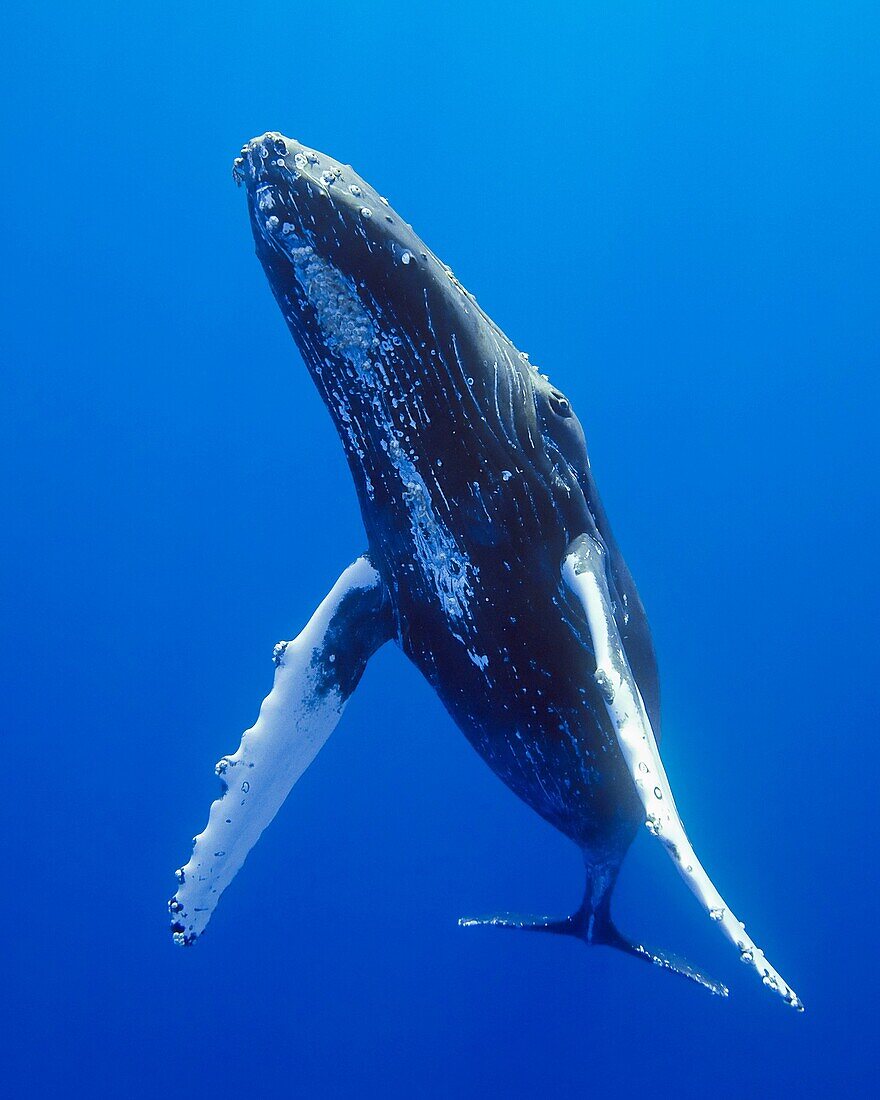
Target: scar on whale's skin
x,y
490,561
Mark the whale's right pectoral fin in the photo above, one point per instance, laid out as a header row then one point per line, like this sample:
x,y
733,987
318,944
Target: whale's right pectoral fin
x,y
584,571
314,677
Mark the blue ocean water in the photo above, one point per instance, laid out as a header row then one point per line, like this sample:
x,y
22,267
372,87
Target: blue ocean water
x,y
674,208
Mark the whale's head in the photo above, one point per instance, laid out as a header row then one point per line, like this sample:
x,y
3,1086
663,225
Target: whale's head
x,y
297,193
415,375
339,259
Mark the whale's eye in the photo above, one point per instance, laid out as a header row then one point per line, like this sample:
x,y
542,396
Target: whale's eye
x,y
559,404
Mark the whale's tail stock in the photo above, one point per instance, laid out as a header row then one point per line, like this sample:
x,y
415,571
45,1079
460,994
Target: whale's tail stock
x,y
592,924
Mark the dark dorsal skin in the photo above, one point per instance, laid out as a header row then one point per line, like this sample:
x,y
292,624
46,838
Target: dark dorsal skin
x,y
472,474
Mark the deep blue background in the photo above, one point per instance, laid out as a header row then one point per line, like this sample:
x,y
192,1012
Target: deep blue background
x,y
674,208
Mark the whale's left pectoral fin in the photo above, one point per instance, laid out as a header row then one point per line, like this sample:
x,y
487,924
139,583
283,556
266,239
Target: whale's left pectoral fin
x,y
314,677
584,570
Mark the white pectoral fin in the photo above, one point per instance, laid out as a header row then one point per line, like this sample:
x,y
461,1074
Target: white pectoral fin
x,y
314,677
584,572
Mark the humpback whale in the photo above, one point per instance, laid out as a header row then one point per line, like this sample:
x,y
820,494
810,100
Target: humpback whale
x,y
489,560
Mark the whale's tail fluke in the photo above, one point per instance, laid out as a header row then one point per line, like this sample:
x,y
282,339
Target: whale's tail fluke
x,y
609,936
592,924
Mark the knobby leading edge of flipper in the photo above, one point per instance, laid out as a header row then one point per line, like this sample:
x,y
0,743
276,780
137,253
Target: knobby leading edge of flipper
x,y
585,574
314,677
